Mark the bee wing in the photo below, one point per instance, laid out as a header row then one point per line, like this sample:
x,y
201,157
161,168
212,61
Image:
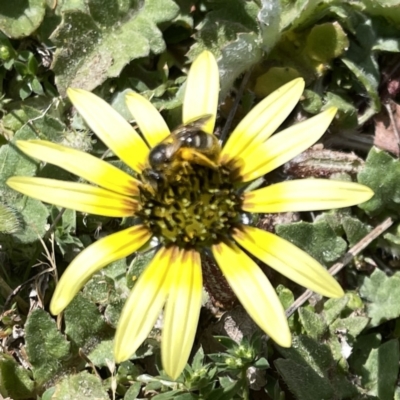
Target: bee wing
x,y
192,126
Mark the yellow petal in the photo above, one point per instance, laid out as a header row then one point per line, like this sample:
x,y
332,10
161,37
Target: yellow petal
x,y
262,121
289,260
111,128
254,291
92,259
181,312
144,305
202,89
306,195
77,196
285,145
150,121
82,164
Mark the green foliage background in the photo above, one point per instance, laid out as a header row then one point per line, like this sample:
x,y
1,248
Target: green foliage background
x,y
348,53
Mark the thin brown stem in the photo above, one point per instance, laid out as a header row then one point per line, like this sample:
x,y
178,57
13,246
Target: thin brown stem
x,y
356,249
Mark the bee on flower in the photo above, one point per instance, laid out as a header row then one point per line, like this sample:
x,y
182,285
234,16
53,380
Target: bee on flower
x,y
188,195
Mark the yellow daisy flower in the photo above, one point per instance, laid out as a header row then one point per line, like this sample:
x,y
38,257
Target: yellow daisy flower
x,y
197,207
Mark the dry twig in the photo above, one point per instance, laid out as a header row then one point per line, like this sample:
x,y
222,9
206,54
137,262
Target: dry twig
x,y
356,249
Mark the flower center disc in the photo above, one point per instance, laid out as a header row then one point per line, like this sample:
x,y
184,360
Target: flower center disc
x,y
190,206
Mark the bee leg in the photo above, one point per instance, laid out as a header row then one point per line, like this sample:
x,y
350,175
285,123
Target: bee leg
x,y
196,157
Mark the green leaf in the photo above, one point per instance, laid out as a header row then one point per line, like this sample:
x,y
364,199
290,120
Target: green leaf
x,y
381,293
382,175
385,8
347,113
310,364
366,72
355,229
269,19
312,323
102,355
14,379
352,325
133,392
285,296
82,386
361,60
379,375
303,381
48,394
96,46
9,220
113,312
333,308
238,57
46,127
84,324
33,215
45,346
296,13
14,162
273,79
19,18
311,101
362,349
308,352
137,266
230,31
24,91
390,241
36,86
317,239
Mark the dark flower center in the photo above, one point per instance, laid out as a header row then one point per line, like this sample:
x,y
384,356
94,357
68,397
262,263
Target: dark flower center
x,y
189,205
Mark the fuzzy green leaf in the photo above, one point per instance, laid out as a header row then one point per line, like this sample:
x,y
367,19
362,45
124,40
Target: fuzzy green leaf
x,y
95,46
84,324
14,162
45,126
33,215
102,355
379,374
14,379
82,386
310,364
19,18
382,293
45,346
353,325
333,308
312,323
382,175
9,220
317,239
355,229
300,379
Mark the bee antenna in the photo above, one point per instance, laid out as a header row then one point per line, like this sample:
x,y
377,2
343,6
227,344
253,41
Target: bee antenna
x,y
235,106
